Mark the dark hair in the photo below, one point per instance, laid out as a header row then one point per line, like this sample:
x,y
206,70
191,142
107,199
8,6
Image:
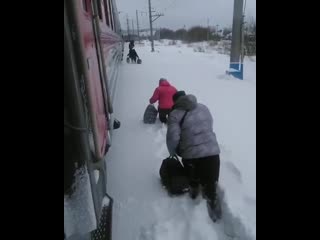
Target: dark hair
x,y
177,95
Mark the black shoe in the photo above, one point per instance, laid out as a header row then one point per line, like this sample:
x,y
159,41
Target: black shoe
x,y
194,192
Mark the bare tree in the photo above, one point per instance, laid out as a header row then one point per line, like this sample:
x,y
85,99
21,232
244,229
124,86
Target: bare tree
x,y
250,37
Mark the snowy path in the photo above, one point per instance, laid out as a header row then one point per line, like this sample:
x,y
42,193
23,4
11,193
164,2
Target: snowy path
x,y
142,209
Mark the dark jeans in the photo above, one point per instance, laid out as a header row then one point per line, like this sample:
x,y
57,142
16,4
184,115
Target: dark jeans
x,y
163,114
204,171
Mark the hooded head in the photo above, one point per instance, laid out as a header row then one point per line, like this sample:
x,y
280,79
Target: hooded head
x,y
177,95
163,82
184,102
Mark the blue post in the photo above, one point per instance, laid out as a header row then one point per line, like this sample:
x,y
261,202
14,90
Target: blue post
x,y
236,70
236,55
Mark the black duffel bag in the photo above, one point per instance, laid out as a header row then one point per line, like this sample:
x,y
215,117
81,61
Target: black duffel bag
x,y
173,176
150,114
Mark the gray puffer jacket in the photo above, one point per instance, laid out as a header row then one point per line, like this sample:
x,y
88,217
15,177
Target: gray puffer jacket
x,y
195,138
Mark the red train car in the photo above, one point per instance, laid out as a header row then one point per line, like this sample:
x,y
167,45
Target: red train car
x,y
93,50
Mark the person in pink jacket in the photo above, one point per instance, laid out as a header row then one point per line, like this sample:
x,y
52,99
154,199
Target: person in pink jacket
x,y
163,94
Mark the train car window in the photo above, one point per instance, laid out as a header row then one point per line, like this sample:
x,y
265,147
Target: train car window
x,y
106,12
111,14
99,9
85,5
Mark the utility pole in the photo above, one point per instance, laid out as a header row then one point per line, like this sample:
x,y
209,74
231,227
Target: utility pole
x,y
208,29
128,29
138,25
132,28
236,63
152,20
151,32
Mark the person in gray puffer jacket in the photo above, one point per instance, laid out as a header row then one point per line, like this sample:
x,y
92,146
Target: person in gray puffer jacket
x,y
190,135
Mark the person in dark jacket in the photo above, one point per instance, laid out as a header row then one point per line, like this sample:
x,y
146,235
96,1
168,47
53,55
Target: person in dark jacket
x,y
133,55
190,135
131,45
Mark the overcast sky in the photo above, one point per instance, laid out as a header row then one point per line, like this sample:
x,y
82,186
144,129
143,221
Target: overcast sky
x,y
180,13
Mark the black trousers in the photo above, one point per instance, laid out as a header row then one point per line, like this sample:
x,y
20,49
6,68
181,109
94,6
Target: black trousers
x,y
163,114
204,171
133,58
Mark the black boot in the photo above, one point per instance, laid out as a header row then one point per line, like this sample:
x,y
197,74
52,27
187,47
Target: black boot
x,y
194,191
213,202
214,209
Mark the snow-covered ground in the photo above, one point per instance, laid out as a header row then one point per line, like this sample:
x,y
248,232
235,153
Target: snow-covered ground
x,y
142,209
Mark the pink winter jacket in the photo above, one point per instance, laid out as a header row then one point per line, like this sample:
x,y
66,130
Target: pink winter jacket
x,y
163,94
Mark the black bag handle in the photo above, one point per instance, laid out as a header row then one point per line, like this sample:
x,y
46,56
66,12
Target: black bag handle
x,y
174,157
182,119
